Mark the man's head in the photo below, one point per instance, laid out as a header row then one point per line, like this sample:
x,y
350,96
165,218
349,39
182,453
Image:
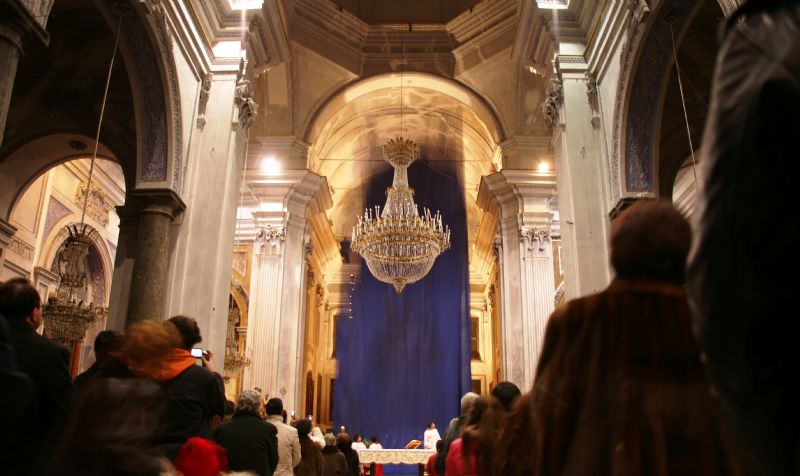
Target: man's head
x,y
106,342
330,440
249,401
189,330
506,393
274,406
303,427
20,300
467,401
650,240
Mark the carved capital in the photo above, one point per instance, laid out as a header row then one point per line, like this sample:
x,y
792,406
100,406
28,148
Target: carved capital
x,y
248,108
551,107
205,92
591,93
534,238
269,238
497,245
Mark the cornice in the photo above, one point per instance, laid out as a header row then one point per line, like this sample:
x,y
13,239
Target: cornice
x,y
482,18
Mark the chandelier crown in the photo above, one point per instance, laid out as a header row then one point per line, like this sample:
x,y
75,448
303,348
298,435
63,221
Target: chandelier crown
x,y
398,244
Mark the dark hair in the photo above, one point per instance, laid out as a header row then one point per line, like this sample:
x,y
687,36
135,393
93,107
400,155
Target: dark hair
x,y
356,437
303,427
439,444
190,331
430,423
108,341
375,439
506,393
483,425
274,406
343,439
650,240
18,298
230,407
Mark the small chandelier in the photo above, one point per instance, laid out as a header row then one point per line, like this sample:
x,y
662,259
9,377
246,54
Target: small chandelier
x,y
66,317
397,243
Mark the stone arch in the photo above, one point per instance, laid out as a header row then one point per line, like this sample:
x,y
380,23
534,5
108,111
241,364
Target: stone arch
x,y
446,86
145,43
58,236
457,130
52,243
27,163
646,63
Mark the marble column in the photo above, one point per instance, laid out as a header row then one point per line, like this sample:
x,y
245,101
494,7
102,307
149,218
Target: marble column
x,y
7,230
123,266
17,24
149,281
521,200
583,196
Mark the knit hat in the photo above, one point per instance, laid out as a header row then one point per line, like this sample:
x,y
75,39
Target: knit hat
x,y
201,457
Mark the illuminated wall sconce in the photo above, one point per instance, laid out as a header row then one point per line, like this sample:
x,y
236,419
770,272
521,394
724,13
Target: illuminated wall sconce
x,y
553,4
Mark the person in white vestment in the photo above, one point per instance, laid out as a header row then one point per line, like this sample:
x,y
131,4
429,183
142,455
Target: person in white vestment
x,y
431,436
357,443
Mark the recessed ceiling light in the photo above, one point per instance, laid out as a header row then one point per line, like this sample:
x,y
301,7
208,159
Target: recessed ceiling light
x,y
543,167
553,4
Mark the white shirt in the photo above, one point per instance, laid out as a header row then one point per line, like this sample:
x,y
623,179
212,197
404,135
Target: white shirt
x,y
375,446
431,437
358,445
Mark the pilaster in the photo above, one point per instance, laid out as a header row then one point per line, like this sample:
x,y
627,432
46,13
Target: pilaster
x,y
200,273
521,200
582,179
276,316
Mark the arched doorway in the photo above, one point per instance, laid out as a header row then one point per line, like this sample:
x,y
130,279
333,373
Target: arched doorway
x,y
42,213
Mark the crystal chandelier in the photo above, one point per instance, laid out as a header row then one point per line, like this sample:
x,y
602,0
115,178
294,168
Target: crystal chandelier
x,y
66,317
397,243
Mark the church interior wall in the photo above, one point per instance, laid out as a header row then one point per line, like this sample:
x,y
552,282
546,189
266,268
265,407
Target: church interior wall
x,y
327,54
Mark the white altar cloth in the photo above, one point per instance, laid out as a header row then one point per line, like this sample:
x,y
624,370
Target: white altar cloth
x,y
390,456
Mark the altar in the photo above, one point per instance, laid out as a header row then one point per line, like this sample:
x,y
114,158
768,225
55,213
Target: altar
x,y
396,456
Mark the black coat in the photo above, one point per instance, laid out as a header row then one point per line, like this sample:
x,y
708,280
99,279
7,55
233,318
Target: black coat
x,y
193,397
30,442
742,276
351,457
251,443
312,463
335,464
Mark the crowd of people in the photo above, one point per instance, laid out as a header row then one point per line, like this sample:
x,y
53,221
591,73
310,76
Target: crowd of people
x,y
649,376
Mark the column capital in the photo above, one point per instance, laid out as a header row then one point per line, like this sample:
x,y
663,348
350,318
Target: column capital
x,y
269,238
163,201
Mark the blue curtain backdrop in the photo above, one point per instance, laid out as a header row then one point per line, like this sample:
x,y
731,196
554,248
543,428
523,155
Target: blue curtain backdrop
x,y
404,360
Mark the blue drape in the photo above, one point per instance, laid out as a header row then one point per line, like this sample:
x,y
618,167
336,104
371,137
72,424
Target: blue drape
x,y
404,360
